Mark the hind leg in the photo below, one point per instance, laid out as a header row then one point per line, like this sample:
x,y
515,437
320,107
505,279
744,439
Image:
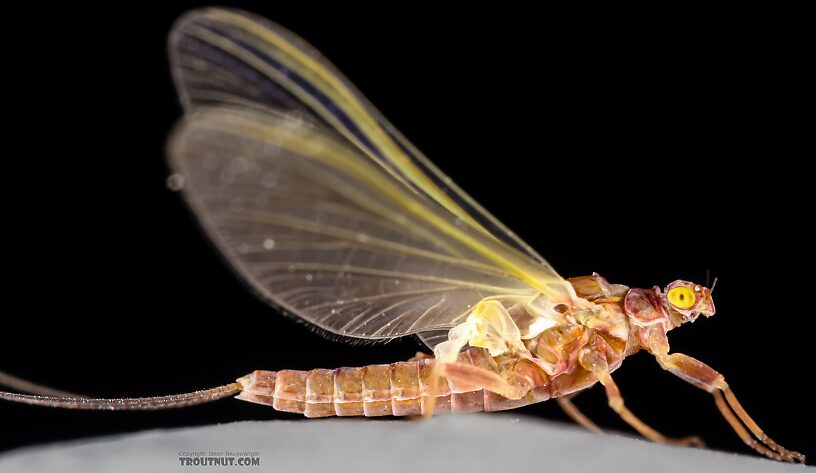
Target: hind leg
x,y
565,402
596,363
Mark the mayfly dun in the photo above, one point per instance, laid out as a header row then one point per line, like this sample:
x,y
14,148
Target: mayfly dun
x,y
334,217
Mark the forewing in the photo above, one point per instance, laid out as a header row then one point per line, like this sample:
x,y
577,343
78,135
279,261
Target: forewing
x,y
321,230
230,57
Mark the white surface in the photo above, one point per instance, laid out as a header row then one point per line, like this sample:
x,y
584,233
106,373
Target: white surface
x,y
446,444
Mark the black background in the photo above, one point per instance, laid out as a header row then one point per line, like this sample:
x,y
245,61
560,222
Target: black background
x,y
646,146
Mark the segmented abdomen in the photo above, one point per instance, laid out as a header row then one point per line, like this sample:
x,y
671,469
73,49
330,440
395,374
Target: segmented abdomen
x,y
398,389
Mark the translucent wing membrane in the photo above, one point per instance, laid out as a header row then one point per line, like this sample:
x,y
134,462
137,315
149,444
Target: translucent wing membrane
x,y
322,231
230,57
318,202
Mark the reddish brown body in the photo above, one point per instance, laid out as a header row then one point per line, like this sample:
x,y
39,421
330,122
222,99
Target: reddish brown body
x,y
403,388
588,344
398,389
331,214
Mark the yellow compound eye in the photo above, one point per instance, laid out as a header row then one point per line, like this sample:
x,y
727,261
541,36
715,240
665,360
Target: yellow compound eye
x,y
681,297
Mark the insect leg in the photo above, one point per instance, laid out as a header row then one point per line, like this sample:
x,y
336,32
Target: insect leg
x,y
575,414
596,363
466,377
463,377
488,326
704,377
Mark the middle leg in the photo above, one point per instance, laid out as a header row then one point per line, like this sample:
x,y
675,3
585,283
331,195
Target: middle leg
x,y
596,363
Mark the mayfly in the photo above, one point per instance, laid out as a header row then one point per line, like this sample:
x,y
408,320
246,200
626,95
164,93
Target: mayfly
x,y
334,217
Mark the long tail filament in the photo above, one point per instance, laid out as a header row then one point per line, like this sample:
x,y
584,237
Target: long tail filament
x,y
121,404
25,386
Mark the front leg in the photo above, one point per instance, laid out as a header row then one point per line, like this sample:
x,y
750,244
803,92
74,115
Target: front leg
x,y
704,377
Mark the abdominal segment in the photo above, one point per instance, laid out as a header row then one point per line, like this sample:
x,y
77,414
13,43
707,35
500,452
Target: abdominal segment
x,y
399,389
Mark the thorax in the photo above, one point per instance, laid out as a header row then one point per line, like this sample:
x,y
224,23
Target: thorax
x,y
604,325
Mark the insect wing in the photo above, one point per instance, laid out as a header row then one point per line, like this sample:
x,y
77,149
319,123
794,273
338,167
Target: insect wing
x,y
317,201
229,57
322,231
